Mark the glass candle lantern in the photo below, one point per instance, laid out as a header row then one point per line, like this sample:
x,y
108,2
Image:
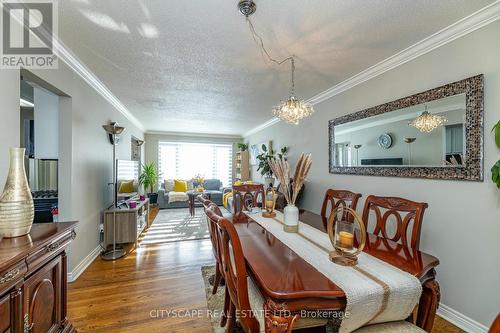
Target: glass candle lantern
x,y
342,230
269,203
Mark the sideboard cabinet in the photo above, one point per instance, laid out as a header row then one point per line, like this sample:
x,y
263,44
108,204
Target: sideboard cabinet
x,y
33,280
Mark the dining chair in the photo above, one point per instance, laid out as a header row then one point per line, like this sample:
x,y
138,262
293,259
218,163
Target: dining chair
x,y
336,198
204,200
247,196
242,294
408,216
218,277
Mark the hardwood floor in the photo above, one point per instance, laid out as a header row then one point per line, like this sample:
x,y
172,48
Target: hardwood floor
x,y
124,296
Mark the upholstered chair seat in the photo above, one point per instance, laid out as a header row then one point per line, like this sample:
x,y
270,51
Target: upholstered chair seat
x,y
257,303
392,327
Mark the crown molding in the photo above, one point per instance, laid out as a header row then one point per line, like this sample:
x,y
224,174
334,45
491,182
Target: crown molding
x,y
259,128
195,135
468,24
75,64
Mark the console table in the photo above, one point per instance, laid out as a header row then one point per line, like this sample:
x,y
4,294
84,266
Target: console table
x,y
130,223
33,280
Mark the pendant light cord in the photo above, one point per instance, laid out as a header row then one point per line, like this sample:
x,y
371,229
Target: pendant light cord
x,y
260,42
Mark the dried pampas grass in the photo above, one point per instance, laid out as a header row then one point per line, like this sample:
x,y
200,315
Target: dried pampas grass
x,y
281,169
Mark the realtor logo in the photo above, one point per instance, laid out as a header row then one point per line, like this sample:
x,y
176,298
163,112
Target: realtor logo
x,y
28,30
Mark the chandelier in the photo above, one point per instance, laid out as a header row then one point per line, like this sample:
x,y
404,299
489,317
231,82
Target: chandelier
x,y
427,122
293,109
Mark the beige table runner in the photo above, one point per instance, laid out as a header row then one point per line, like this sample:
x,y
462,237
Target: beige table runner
x,y
376,291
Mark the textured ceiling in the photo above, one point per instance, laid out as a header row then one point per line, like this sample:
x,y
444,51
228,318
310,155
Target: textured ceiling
x,y
192,66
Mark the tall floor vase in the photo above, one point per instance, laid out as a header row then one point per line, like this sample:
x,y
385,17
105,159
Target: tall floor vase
x,y
16,203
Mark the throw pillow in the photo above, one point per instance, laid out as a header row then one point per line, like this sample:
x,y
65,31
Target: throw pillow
x,y
180,185
169,185
126,186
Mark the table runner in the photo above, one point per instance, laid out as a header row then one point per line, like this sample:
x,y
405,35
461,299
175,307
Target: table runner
x,y
375,290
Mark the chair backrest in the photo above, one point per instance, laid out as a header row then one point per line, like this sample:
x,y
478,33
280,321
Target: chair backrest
x,y
204,200
336,198
212,229
405,212
247,196
234,268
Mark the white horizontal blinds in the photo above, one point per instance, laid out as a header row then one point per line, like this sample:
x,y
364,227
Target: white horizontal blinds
x,y
167,162
127,170
184,160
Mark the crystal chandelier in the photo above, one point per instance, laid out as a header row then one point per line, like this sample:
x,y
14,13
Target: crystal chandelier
x,y
427,122
293,109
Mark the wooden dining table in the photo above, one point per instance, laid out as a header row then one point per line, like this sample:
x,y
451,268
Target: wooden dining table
x,y
290,284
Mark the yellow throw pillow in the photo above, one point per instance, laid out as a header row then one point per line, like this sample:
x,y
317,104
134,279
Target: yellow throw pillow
x,y
126,186
180,185
237,183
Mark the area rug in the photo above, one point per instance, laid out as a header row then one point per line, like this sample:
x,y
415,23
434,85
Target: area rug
x,y
215,304
174,225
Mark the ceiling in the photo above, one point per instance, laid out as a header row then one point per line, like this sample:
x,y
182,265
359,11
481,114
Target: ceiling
x,y
192,66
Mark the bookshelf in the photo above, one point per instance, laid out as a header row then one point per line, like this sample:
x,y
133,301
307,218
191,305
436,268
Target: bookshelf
x,y
242,165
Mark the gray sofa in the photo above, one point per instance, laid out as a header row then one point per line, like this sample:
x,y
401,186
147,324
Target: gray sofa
x,y
212,186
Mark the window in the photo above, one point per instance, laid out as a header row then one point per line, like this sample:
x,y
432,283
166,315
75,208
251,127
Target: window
x,y
184,160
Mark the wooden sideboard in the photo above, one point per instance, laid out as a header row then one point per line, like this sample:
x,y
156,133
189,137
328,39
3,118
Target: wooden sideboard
x,y
33,280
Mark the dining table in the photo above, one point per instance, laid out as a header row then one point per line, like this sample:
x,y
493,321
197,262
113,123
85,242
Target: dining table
x,y
289,284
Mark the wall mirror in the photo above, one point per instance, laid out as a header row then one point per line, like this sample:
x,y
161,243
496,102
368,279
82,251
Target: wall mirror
x,y
434,134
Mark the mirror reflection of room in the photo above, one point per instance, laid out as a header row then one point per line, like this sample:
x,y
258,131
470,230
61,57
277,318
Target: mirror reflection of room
x,y
427,134
39,112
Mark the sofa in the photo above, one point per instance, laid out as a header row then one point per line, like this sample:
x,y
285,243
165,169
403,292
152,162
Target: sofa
x,y
212,186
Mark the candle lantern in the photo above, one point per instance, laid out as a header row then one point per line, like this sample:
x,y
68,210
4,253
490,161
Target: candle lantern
x,y
342,230
270,203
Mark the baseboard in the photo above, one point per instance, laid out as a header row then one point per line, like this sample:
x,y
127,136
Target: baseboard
x,y
460,320
82,266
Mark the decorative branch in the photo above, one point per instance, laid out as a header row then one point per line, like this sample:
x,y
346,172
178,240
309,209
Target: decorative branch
x,y
281,169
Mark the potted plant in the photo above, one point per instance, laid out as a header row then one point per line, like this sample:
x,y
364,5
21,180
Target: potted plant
x,y
264,158
242,146
149,179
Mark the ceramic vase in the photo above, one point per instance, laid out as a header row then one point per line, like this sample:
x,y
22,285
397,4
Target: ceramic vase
x,y
291,218
16,203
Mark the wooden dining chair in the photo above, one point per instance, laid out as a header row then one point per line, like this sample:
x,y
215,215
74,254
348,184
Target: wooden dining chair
x,y
241,292
336,198
247,196
408,214
219,276
204,200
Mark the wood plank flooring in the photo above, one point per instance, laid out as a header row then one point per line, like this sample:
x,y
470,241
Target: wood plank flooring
x,y
124,296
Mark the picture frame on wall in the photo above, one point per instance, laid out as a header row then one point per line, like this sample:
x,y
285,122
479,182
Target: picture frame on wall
x,y
256,149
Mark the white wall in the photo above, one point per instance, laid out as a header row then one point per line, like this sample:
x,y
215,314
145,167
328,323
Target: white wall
x,y
9,118
462,225
85,159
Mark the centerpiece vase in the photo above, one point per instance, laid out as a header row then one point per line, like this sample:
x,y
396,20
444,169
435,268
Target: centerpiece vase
x,y
291,218
16,203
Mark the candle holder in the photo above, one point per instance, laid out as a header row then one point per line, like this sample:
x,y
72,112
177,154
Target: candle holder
x,y
270,203
341,231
